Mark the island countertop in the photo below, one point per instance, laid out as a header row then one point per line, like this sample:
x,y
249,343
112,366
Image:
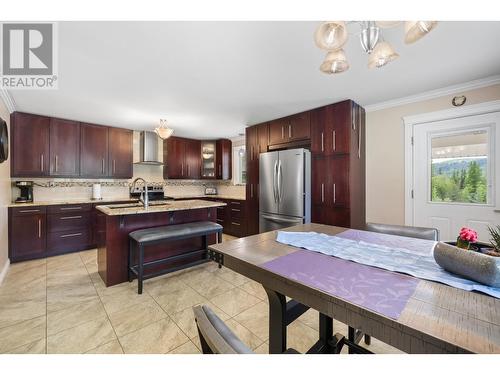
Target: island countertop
x,y
137,208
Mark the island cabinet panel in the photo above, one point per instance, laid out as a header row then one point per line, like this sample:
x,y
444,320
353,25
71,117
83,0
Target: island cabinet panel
x,y
223,159
27,233
64,148
94,150
30,145
120,153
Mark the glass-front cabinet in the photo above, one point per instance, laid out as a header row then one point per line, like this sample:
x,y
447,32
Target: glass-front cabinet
x,y
208,159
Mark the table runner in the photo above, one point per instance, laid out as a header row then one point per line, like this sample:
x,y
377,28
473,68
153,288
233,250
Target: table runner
x,y
394,253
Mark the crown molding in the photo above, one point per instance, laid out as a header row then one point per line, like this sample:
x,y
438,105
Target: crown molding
x,y
7,99
432,94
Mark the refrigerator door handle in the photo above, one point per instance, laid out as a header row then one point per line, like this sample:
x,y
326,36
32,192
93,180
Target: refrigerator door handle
x,y
280,181
275,175
279,219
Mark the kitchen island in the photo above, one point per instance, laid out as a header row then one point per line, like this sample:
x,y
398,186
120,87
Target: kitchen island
x,y
121,219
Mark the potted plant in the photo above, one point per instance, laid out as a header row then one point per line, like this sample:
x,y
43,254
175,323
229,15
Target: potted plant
x,y
466,238
494,241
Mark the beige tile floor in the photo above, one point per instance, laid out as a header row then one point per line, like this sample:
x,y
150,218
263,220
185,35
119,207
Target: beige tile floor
x,y
61,305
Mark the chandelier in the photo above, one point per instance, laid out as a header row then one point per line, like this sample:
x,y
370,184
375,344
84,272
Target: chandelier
x,y
163,131
332,36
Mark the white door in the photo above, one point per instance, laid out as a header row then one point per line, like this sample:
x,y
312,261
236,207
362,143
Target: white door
x,y
456,175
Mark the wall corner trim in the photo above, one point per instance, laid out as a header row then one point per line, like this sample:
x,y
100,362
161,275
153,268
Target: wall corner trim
x,y
432,94
4,271
8,100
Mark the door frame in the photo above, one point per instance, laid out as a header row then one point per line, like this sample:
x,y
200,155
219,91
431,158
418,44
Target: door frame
x,y
410,122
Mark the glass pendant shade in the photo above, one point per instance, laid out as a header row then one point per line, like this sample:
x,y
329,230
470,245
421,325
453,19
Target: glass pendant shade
x,y
331,35
335,62
163,131
369,36
382,55
414,30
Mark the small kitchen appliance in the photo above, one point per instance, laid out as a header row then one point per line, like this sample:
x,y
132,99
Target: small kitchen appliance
x,y
210,190
26,188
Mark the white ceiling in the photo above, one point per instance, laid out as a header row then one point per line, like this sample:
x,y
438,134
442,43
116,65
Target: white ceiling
x,y
211,79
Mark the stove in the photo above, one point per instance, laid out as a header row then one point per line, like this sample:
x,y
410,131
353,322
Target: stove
x,y
155,193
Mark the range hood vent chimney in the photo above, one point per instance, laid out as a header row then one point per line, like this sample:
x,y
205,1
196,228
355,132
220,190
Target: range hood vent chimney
x,y
148,149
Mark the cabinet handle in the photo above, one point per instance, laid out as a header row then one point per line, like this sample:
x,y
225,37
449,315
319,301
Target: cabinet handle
x,y
219,220
39,228
70,208
114,165
70,217
289,131
26,211
334,139
322,142
359,135
220,170
353,122
282,132
188,170
235,209
56,163
102,165
182,169
71,235
238,224
251,190
334,193
322,193
41,162
238,203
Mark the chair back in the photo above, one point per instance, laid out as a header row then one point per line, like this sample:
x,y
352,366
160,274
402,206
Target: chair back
x,y
215,336
405,231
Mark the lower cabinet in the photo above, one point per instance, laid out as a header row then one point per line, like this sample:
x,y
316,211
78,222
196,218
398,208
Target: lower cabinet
x,y
27,233
232,216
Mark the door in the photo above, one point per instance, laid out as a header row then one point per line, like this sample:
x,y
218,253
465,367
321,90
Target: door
x,y
120,153
290,182
94,150
456,179
64,147
30,145
268,189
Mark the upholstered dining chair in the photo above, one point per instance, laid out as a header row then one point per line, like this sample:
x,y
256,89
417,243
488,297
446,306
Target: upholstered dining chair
x,y
216,337
398,230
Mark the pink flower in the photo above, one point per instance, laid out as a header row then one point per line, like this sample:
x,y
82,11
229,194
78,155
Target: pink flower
x,y
467,234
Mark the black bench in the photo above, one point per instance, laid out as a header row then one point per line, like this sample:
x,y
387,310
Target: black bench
x,y
153,236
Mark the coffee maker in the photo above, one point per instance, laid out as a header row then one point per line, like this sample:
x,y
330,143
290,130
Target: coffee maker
x,y
26,188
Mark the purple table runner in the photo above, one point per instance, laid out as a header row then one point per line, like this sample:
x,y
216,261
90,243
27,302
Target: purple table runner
x,y
379,290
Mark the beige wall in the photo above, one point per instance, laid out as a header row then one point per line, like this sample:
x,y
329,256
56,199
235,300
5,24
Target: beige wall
x,y
385,152
4,197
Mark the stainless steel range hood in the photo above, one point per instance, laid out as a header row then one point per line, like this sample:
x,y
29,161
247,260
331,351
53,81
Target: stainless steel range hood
x,y
148,149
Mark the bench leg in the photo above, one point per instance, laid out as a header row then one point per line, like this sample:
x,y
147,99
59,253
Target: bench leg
x,y
141,269
130,259
368,339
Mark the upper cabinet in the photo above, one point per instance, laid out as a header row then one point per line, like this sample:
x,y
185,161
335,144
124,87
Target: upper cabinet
x,y
94,151
44,146
64,147
223,158
192,159
120,152
30,145
290,129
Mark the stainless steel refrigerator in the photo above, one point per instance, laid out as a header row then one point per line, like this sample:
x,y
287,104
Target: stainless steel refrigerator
x,y
284,189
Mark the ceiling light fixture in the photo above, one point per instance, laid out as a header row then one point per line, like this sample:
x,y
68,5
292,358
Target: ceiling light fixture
x,y
332,36
163,131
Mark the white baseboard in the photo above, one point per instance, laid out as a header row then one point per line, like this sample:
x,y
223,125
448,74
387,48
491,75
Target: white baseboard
x,y
4,271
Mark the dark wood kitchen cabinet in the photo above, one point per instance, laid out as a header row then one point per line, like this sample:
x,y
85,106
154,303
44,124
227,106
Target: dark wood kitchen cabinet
x,y
27,232
192,159
182,158
64,147
94,150
120,152
30,145
223,159
290,129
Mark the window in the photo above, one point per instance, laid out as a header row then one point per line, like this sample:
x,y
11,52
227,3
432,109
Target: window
x,y
239,165
460,167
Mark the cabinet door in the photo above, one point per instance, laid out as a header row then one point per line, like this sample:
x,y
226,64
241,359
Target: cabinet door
x,y
339,128
27,236
318,140
277,132
94,150
263,137
321,180
299,126
252,185
30,145
173,157
339,170
192,159
64,147
223,157
120,153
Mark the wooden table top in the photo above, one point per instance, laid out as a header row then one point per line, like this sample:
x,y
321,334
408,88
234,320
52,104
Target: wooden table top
x,y
436,319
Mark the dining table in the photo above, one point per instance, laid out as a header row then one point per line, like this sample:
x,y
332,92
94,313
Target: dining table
x,y
409,313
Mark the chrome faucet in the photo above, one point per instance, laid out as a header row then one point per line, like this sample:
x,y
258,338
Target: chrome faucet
x,y
144,198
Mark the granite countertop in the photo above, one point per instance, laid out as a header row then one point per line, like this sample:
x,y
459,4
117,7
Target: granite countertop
x,y
72,201
194,196
126,209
